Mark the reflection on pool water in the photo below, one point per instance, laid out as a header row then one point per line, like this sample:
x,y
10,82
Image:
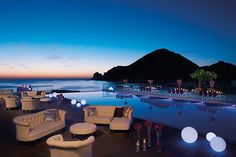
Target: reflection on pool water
x,y
171,112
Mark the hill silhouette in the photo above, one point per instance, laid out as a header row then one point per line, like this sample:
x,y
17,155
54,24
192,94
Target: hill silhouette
x,y
225,71
160,65
163,65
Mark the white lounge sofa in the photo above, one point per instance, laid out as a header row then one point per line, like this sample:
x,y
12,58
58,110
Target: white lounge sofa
x,y
60,148
34,126
105,115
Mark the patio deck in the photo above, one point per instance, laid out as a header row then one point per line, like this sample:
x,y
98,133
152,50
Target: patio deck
x,y
106,145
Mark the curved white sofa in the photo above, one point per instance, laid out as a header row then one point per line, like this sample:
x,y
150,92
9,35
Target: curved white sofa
x,y
60,148
105,115
33,126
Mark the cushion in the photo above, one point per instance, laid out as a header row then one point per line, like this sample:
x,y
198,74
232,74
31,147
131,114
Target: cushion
x,y
51,115
25,94
118,112
39,93
126,111
93,111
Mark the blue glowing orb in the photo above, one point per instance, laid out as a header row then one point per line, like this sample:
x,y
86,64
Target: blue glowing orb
x,y
189,134
83,102
218,144
210,136
73,102
78,104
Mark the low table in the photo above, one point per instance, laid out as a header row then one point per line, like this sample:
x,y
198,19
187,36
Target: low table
x,y
82,129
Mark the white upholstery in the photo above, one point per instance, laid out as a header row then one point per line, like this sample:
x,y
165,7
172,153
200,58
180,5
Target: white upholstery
x,y
30,104
60,148
10,102
33,126
6,93
32,94
120,123
83,128
105,116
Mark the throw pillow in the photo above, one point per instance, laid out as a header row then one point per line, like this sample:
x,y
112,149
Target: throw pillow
x,y
118,112
126,111
39,93
93,111
25,94
51,115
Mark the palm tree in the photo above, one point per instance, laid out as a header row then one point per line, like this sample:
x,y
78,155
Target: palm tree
x,y
202,75
199,75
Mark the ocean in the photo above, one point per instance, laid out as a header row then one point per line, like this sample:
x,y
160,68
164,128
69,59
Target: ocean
x,y
55,84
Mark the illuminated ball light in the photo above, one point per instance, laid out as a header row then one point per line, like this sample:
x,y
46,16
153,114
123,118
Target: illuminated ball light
x,y
210,136
110,88
73,102
78,104
218,144
50,95
54,94
83,102
189,134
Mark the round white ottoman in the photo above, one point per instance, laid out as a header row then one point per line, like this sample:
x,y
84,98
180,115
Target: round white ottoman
x,y
82,129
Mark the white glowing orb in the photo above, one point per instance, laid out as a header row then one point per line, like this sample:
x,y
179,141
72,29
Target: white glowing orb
x,y
110,88
50,95
78,104
218,144
189,134
54,94
210,136
83,102
73,102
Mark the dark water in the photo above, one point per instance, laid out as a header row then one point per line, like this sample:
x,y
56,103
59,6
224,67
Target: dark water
x,y
178,114
59,84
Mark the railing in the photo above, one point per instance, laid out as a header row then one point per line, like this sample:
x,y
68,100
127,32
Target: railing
x,y
139,90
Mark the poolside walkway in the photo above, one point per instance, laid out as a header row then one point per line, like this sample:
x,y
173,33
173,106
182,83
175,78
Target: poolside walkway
x,y
106,145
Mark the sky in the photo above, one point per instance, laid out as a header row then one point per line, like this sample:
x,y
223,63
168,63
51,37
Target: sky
x,y
76,38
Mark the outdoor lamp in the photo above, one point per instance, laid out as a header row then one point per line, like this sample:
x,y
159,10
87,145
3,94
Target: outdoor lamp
x,y
78,104
210,136
54,94
83,102
73,101
189,134
110,88
218,144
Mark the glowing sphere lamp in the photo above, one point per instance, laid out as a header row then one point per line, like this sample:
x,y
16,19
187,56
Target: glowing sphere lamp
x,y
210,136
218,144
83,102
189,134
110,88
73,101
78,104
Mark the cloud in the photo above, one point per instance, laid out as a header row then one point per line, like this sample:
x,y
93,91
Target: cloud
x,y
55,57
67,65
22,65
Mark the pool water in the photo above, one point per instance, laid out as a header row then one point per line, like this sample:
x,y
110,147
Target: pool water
x,y
174,113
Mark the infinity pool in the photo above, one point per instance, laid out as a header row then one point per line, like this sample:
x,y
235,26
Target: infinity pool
x,y
174,113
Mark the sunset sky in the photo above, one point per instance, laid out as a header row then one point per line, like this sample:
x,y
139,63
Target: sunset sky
x,y
75,38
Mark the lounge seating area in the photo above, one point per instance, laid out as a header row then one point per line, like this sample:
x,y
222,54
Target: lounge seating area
x,y
33,126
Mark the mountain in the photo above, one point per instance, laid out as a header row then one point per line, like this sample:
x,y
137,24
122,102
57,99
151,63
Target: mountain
x,y
225,71
160,65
